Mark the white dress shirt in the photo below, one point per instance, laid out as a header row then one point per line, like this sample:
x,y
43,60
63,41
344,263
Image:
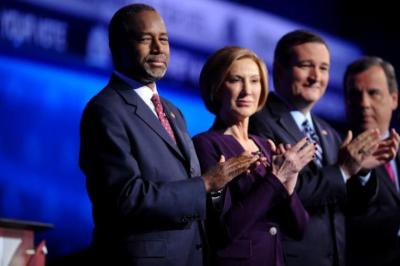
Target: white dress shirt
x,y
144,92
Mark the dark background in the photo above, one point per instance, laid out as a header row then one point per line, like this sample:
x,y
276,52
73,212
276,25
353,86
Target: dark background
x,y
373,26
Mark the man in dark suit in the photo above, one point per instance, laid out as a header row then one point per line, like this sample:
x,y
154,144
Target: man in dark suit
x,y
374,223
300,75
142,173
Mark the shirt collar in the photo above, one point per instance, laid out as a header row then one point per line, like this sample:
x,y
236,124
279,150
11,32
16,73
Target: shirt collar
x,y
386,135
299,118
143,91
135,84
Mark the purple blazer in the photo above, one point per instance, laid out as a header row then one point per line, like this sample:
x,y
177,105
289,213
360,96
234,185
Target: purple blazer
x,y
246,222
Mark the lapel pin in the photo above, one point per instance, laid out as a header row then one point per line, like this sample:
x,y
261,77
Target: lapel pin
x,y
324,132
172,115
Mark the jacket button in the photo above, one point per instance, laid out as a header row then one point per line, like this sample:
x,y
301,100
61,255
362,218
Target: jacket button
x,y
273,231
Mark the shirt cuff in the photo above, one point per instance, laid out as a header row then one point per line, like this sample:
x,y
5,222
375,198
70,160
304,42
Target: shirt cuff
x,y
344,176
216,198
364,179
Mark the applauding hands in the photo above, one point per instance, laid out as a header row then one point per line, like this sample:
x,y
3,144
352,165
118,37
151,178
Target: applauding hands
x,y
288,160
367,151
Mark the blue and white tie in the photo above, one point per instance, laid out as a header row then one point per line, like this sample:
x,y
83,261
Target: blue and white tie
x,y
312,135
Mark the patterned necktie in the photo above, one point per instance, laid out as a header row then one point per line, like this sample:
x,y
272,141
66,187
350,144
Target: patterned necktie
x,y
390,171
312,135
161,116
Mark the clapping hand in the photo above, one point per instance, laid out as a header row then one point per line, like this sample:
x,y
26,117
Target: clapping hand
x,y
225,170
288,160
385,152
361,152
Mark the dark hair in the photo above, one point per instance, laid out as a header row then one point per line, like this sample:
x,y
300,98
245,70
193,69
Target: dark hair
x,y
283,49
215,70
366,62
118,30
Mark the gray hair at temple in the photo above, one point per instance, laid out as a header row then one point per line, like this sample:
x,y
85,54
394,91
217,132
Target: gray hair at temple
x,y
367,62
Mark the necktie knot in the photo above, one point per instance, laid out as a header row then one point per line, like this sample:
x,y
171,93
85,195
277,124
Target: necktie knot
x,y
161,116
157,103
307,127
309,131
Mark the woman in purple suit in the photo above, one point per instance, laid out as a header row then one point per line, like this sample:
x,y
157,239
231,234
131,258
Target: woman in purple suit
x,y
247,219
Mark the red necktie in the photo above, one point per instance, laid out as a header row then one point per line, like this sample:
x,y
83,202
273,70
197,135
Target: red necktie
x,y
161,116
390,171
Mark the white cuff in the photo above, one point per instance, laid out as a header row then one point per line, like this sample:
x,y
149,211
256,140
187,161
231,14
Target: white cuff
x,y
364,179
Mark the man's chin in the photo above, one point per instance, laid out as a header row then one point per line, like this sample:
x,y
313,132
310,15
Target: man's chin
x,y
155,75
367,126
307,99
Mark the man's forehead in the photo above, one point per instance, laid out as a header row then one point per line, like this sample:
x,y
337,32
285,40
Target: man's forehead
x,y
310,50
145,20
373,74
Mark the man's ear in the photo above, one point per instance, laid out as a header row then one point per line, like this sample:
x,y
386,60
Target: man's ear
x,y
395,99
278,71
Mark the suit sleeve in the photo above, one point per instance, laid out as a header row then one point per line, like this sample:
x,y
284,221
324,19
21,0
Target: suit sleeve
x,y
360,197
293,218
366,213
115,182
381,225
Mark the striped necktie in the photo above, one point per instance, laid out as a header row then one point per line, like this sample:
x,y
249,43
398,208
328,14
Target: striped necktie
x,y
161,116
312,135
389,169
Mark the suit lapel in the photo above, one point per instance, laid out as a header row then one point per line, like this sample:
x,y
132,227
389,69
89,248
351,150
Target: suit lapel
x,y
288,124
179,134
143,111
284,120
385,180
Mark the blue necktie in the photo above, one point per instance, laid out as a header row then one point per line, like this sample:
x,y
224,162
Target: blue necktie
x,y
312,135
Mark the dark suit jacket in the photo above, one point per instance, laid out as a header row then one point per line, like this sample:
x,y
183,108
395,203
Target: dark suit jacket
x,y
373,224
245,227
145,190
322,191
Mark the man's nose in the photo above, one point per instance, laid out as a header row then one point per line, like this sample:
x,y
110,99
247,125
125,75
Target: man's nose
x,y
364,100
314,75
155,46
